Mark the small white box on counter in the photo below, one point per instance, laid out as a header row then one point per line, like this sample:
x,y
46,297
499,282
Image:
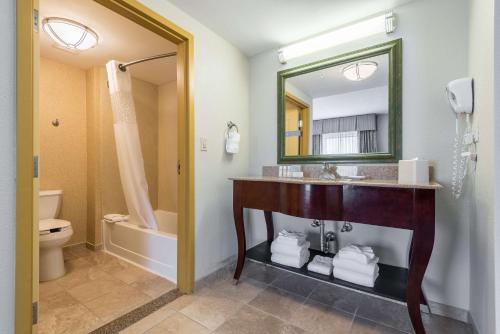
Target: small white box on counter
x,y
414,171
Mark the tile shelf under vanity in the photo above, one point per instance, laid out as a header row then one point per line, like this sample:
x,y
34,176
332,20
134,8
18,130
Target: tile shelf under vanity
x,y
390,284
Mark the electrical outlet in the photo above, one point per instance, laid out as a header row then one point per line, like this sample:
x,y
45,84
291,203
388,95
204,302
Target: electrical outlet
x,y
203,144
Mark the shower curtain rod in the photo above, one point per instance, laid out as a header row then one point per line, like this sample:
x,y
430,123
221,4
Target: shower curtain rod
x,y
123,67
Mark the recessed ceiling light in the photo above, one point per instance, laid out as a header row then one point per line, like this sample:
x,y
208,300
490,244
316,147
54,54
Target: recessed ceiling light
x,y
360,71
70,34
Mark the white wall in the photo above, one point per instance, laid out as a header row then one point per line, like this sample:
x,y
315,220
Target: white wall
x,y
360,102
221,88
435,51
482,229
7,165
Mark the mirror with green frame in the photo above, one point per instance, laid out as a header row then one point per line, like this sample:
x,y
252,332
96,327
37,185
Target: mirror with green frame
x,y
343,109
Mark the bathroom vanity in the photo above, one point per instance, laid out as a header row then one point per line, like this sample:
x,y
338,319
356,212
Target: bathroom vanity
x,y
383,203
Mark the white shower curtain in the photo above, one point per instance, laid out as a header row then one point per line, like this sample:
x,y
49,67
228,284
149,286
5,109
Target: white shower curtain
x,y
128,148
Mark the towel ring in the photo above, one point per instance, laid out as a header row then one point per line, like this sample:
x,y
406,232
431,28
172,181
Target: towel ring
x,y
231,125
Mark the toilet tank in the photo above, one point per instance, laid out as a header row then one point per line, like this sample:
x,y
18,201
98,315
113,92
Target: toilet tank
x,y
50,204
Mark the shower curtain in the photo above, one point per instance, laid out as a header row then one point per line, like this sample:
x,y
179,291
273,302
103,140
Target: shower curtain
x,y
128,148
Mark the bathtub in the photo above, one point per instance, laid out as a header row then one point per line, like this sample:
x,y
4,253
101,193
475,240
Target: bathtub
x,y
155,251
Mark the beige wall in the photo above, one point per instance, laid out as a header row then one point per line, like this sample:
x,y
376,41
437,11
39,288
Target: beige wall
x,y
63,150
167,147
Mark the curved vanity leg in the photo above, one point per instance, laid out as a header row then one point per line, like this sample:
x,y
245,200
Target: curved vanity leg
x,y
240,233
421,250
270,226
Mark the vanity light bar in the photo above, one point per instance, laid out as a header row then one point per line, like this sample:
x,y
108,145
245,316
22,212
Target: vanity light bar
x,y
375,25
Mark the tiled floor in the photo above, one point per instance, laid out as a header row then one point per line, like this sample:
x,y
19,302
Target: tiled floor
x,y
268,301
96,289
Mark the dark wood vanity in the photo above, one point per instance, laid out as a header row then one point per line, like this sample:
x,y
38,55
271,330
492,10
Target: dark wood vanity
x,y
382,203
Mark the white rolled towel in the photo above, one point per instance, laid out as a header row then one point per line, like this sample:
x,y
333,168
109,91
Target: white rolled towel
x,y
291,238
363,255
321,265
289,249
115,217
354,277
290,261
368,269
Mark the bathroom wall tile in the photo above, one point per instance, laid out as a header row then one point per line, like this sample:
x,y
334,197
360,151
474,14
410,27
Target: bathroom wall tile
x,y
210,310
116,303
96,288
149,322
178,323
277,302
299,285
321,319
249,320
339,298
363,326
262,273
154,287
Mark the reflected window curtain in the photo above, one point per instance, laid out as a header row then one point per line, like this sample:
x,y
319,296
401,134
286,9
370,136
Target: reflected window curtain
x,y
367,128
368,141
340,143
316,137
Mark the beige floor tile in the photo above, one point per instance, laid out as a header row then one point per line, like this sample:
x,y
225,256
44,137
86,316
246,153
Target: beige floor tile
x,y
211,311
96,288
154,287
178,323
320,319
182,302
112,265
149,322
80,276
277,302
72,319
133,274
116,303
49,288
249,320
56,301
246,290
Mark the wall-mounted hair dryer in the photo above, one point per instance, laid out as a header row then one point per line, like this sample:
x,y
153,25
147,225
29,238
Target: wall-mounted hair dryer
x,y
461,95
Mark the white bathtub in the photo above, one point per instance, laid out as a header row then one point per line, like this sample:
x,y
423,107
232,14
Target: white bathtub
x,y
155,251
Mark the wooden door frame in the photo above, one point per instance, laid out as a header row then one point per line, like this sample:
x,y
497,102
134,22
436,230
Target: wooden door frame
x,y
305,115
27,137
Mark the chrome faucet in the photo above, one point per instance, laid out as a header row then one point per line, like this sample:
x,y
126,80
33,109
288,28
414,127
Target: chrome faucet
x,y
329,172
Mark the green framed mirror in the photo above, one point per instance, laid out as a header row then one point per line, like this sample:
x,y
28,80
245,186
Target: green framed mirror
x,y
344,109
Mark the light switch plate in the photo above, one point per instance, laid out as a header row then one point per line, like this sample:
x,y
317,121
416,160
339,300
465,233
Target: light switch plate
x,y
203,144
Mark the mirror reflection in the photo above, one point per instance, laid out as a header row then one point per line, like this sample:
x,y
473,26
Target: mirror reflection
x,y
341,109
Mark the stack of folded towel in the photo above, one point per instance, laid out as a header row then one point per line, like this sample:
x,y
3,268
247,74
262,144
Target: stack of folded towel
x,y
321,265
290,249
115,218
356,264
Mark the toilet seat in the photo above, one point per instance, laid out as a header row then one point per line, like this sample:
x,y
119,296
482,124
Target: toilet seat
x,y
48,226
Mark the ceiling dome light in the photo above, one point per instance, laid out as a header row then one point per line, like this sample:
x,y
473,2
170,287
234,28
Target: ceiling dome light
x,y
70,34
360,71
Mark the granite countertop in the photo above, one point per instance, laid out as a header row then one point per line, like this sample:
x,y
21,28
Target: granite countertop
x,y
354,182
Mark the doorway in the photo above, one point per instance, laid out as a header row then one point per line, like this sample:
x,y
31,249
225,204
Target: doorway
x,y
28,149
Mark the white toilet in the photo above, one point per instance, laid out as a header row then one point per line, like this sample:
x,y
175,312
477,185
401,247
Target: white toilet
x,y
54,233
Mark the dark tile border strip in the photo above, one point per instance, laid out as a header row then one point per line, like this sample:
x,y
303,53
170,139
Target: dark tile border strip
x,y
137,314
